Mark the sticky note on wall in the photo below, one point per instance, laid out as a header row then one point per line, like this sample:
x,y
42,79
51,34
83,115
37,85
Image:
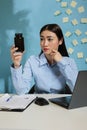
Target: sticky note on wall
x,y
85,33
70,50
75,42
73,3
74,22
63,4
83,20
84,40
86,60
57,12
68,11
81,9
68,34
78,32
58,0
80,54
65,19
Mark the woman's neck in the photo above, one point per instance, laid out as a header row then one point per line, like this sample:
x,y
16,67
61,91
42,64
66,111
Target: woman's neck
x,y
49,59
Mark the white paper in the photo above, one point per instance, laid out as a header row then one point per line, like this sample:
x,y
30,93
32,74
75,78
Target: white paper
x,y
15,101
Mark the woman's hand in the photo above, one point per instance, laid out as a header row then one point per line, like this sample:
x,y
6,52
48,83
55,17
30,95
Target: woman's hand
x,y
16,56
56,56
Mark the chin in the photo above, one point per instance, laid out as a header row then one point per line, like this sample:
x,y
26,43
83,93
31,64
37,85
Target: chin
x,y
47,53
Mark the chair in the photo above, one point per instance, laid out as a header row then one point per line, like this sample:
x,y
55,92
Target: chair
x,y
66,90
32,90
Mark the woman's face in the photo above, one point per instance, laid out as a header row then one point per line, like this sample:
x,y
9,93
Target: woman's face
x,y
49,41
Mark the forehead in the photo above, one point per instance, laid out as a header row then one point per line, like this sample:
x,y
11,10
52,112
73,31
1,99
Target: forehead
x,y
47,33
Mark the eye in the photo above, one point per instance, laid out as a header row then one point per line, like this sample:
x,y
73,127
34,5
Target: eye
x,y
50,39
41,39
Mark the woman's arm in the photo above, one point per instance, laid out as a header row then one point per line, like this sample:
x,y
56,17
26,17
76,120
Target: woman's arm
x,y
67,67
69,70
22,78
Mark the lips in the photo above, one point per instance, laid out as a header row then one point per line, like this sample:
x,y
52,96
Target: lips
x,y
45,49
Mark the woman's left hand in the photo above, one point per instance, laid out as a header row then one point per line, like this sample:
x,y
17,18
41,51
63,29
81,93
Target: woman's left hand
x,y
56,56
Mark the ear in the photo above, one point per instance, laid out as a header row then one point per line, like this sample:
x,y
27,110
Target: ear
x,y
61,41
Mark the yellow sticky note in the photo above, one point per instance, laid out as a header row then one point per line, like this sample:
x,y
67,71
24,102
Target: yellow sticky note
x,y
58,0
74,22
70,50
80,54
78,32
65,19
83,20
86,60
81,9
75,42
73,3
63,4
57,13
84,40
68,34
68,11
85,33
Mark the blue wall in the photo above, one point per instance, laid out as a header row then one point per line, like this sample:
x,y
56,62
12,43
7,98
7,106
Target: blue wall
x,y
28,16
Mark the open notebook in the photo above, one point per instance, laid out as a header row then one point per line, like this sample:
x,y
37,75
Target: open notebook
x,y
16,102
79,96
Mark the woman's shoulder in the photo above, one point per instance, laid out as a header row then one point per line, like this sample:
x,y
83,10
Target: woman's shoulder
x,y
68,58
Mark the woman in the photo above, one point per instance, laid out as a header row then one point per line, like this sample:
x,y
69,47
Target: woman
x,y
52,70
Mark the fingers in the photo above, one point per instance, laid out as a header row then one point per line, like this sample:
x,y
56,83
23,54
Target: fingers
x,y
53,52
17,53
56,56
13,49
16,56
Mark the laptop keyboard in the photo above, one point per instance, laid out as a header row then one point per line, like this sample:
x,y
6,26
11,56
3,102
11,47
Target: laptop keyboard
x,y
64,101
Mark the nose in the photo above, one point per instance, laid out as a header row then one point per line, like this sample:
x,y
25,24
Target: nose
x,y
45,42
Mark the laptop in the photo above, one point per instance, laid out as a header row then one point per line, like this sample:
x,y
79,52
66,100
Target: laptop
x,y
79,96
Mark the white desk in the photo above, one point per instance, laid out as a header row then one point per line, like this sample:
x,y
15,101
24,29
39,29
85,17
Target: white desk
x,y
50,117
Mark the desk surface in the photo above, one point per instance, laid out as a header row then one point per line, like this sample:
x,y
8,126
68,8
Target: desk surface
x,y
50,117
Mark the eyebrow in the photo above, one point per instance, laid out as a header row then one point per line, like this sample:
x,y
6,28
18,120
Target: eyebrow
x,y
48,36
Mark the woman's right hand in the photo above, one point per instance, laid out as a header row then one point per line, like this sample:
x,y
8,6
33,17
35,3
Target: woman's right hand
x,y
16,56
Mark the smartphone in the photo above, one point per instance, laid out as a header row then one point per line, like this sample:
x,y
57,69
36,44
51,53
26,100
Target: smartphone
x,y
19,42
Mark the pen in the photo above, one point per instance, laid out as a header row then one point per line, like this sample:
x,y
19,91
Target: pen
x,y
8,98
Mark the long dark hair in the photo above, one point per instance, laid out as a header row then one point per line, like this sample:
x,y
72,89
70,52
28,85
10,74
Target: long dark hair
x,y
55,28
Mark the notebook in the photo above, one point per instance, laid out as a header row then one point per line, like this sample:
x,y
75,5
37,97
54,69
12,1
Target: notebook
x,y
79,96
15,102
